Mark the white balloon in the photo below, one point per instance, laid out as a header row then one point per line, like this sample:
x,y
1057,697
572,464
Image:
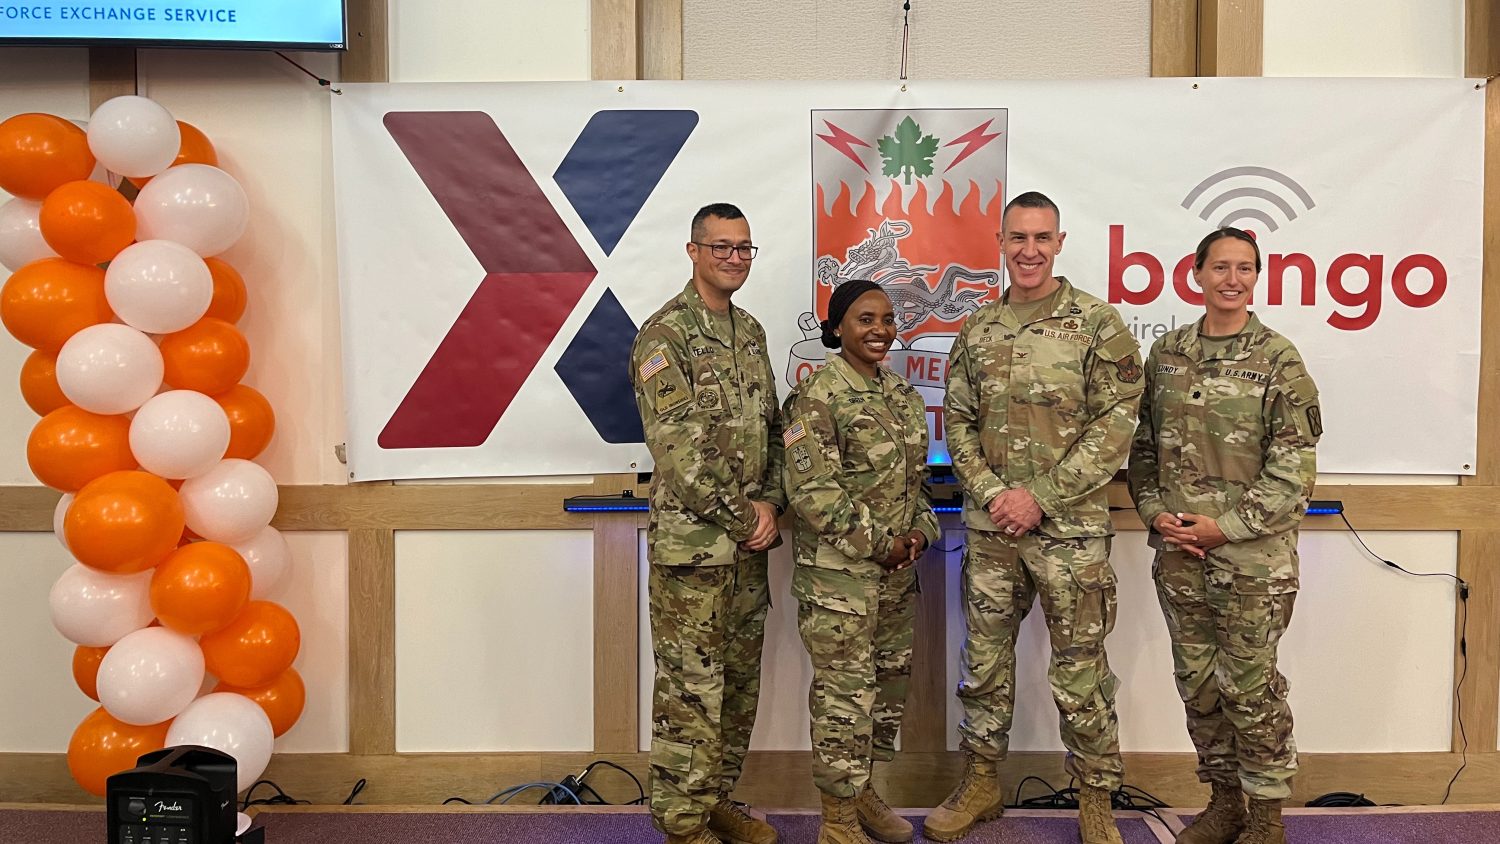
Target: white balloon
x,y
179,434
21,239
57,517
96,609
158,286
101,174
109,368
230,723
197,205
134,136
268,557
150,675
231,502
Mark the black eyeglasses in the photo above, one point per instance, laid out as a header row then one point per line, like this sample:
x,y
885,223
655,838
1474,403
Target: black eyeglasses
x,y
722,250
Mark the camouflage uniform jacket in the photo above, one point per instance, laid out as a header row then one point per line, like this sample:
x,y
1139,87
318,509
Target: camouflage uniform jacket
x,y
1232,437
707,398
1048,406
856,462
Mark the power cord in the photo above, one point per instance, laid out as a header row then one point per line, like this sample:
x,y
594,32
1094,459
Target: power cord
x,y
1125,798
1463,648
280,798
1339,800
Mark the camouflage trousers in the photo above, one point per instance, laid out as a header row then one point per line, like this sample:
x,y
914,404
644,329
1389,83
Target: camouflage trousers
x,y
707,626
1001,577
1225,628
860,643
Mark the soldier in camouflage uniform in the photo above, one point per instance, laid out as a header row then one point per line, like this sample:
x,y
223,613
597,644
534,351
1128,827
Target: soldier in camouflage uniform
x,y
1221,470
707,398
856,461
1043,388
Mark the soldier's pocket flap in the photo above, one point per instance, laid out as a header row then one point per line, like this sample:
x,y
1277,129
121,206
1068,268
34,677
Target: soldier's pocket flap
x,y
1273,585
1091,577
672,755
1300,390
834,590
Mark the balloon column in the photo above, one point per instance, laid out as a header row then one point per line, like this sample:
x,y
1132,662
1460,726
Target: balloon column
x,y
147,431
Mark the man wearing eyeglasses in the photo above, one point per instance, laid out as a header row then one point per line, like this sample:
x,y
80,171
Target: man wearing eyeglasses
x,y
707,398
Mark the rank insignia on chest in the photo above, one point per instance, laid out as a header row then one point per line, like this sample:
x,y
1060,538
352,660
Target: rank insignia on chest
x,y
1128,370
708,399
801,458
1021,355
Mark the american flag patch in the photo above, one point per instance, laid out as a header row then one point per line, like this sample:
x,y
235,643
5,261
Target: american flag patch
x,y
654,364
793,434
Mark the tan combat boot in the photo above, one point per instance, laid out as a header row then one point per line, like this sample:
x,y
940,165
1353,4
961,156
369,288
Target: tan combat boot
x,y
1263,825
878,820
737,824
1096,819
701,836
976,799
840,822
1222,821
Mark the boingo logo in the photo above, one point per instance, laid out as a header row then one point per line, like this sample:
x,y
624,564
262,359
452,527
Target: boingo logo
x,y
1357,283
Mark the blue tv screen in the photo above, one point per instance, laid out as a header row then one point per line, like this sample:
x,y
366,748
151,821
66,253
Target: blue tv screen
x,y
288,24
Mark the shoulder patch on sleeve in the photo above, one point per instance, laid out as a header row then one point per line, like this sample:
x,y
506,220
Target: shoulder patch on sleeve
x,y
655,363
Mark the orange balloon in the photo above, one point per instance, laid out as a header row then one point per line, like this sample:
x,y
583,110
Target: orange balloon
x,y
70,447
124,522
194,149
251,421
229,291
103,746
282,699
87,222
200,587
86,669
209,356
39,152
39,383
47,301
256,647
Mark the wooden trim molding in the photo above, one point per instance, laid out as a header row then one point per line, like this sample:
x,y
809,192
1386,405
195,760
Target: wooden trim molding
x,y
372,641
1231,36
613,39
1174,37
368,58
539,506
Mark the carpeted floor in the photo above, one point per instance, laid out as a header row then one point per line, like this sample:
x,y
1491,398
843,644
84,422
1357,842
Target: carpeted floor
x,y
418,825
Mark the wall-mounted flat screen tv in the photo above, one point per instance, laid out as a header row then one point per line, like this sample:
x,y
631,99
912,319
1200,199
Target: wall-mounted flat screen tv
x,y
250,24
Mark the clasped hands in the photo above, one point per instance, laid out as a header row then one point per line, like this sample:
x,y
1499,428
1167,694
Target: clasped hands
x,y
766,529
1015,511
1192,532
906,549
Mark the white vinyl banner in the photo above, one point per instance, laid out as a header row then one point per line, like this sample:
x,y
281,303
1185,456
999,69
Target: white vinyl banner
x,y
499,244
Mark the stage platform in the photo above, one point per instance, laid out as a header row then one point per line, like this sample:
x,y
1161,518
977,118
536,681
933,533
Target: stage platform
x,y
51,824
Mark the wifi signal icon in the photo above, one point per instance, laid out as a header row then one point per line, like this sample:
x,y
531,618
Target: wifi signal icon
x,y
1257,194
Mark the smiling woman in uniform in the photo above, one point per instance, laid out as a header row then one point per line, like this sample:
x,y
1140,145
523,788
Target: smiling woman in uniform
x,y
1221,470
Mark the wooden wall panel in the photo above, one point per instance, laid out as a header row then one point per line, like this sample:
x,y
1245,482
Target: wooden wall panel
x,y
1174,37
613,33
1230,37
368,58
372,641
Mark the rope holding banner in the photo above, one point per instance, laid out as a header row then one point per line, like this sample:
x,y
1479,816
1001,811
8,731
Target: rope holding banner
x,y
905,34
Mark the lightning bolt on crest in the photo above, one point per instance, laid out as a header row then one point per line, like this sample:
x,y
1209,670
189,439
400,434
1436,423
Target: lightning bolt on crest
x,y
845,142
974,140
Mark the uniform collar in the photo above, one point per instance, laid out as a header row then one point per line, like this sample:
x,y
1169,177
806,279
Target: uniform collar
x,y
708,321
1241,347
1065,299
856,379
